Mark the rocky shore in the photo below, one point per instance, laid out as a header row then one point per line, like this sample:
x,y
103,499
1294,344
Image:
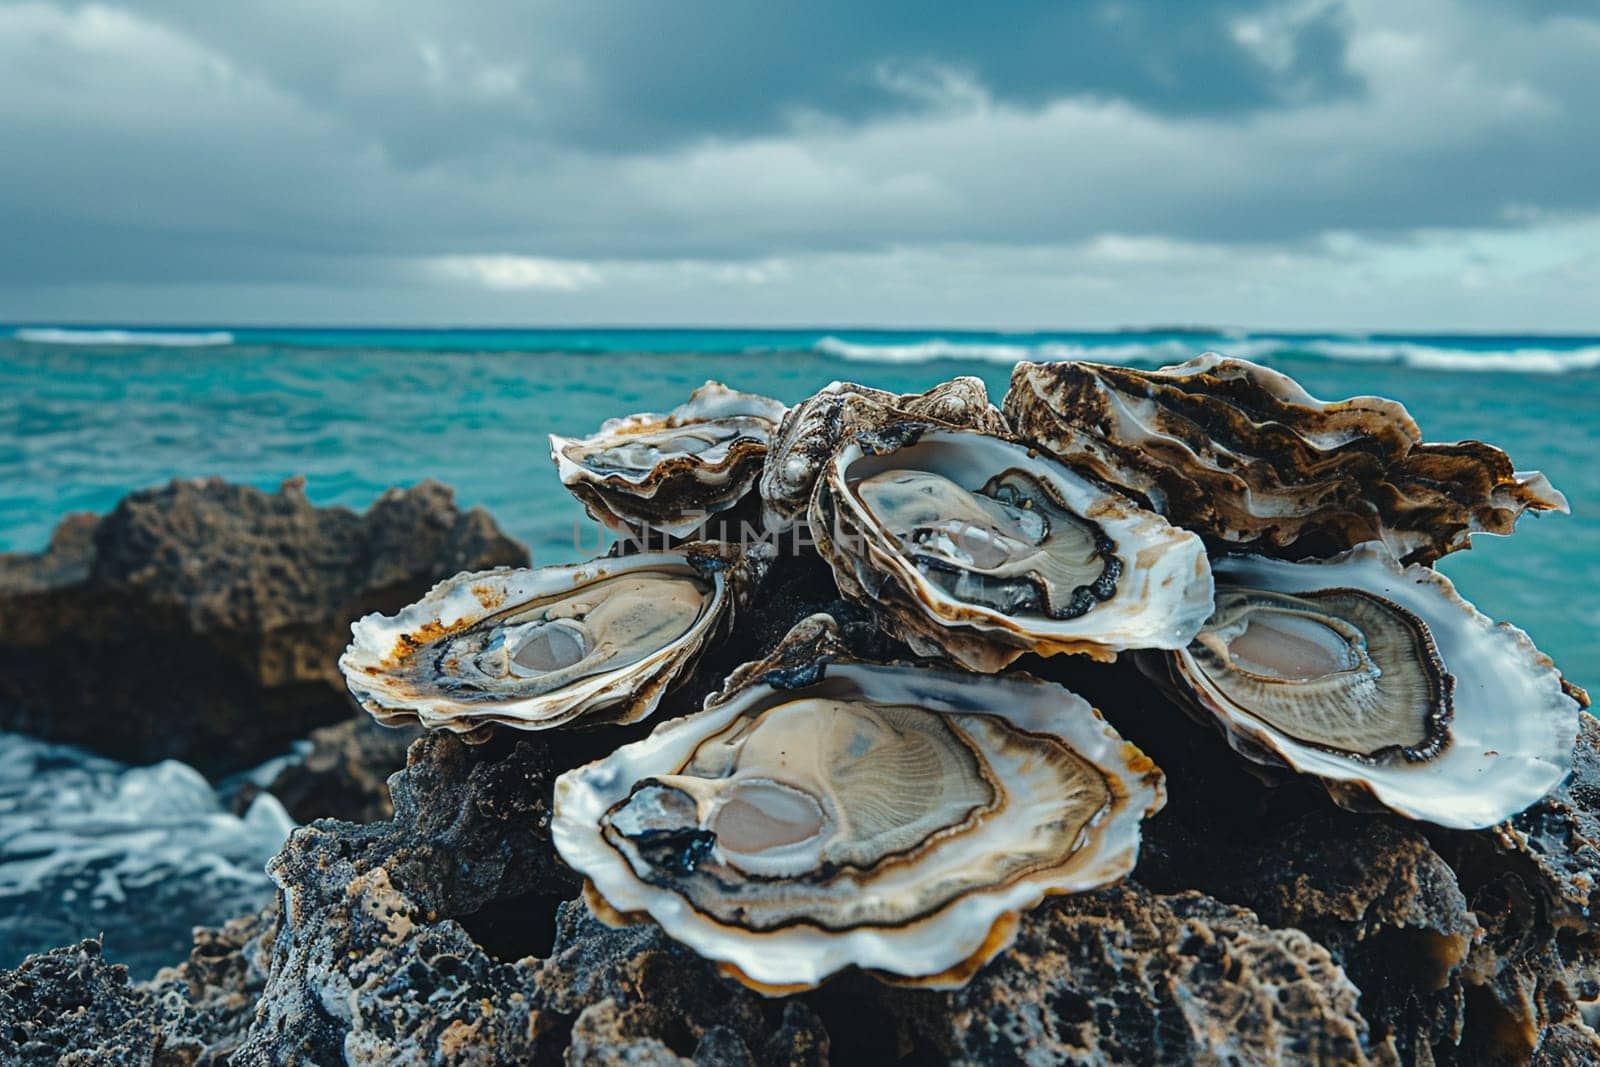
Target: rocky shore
x,y
1262,924
201,620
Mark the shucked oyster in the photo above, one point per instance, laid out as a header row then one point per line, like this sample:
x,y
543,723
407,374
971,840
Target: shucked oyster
x,y
1381,681
976,547
670,472
815,428
536,649
892,818
1243,455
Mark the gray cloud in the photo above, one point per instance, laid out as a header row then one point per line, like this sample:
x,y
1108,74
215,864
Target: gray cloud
x,y
689,156
639,75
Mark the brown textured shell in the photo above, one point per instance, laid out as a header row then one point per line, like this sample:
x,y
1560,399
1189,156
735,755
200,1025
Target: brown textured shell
x,y
680,491
1244,456
817,426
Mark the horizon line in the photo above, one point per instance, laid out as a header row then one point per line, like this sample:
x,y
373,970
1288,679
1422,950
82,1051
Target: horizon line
x,y
1122,330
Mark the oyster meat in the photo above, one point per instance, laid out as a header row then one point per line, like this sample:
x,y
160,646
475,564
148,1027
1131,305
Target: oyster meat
x,y
1245,456
815,428
977,547
892,818
1382,682
535,649
670,472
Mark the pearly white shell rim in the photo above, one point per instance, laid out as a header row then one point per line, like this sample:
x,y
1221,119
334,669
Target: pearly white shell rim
x,y
923,949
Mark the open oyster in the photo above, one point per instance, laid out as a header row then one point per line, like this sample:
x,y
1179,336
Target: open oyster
x,y
892,818
815,428
1382,682
1244,455
535,649
670,472
979,548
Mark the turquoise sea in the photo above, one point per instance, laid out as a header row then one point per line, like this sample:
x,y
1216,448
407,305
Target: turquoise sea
x,y
140,855
88,414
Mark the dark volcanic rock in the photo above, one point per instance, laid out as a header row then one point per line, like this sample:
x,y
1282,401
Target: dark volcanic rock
x,y
1127,976
346,773
428,939
70,1007
1469,947
203,620
204,1004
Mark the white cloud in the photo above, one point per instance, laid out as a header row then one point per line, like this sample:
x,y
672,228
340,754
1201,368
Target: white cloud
x,y
508,273
940,86
517,272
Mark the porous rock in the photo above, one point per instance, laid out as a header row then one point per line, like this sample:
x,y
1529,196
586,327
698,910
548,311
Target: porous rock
x,y
202,620
1123,975
427,939
345,773
449,935
70,1007
203,1005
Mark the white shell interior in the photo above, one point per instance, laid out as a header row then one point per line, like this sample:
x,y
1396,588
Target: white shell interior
x,y
1514,727
1163,595
379,646
804,954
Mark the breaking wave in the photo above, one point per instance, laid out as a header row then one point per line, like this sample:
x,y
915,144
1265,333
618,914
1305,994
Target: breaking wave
x,y
1522,360
151,338
139,854
1434,357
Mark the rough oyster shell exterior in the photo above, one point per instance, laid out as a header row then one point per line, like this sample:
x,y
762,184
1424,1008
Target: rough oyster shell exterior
x,y
814,429
1245,456
630,477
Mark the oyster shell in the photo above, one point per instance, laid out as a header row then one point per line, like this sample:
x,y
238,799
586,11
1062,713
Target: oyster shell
x,y
979,548
670,472
599,642
892,818
1245,456
1384,683
815,428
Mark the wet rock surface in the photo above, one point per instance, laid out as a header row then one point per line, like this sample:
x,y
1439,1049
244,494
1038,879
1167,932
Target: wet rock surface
x,y
1124,975
345,773
202,620
70,1006
1263,925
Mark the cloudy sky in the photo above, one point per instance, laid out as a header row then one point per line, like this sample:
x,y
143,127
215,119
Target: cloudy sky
x,y
1365,164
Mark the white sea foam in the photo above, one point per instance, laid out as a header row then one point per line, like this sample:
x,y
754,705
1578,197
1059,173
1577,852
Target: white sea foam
x,y
1434,357
999,352
89,845
152,338
1265,349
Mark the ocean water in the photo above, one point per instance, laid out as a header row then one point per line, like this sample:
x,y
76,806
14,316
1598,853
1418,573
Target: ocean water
x,y
90,847
88,415
143,853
